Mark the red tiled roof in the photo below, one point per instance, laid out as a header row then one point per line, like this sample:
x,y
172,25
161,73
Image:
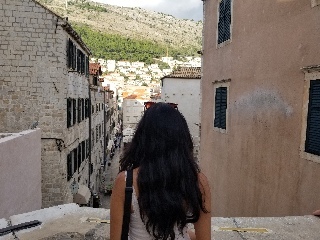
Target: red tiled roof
x,y
185,72
132,96
95,69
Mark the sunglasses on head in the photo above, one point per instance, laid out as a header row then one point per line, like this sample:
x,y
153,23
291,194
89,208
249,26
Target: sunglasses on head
x,y
149,104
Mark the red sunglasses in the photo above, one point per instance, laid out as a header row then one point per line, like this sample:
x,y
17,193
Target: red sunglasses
x,y
149,104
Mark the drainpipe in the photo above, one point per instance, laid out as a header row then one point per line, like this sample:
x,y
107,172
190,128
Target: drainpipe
x,y
90,123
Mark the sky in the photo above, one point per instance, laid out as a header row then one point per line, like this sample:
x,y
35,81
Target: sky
x,y
183,9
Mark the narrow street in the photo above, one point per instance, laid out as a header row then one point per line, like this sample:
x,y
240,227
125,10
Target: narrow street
x,y
111,173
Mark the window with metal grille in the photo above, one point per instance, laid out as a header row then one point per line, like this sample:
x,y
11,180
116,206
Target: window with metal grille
x,y
312,144
220,110
74,57
74,108
69,112
224,23
69,167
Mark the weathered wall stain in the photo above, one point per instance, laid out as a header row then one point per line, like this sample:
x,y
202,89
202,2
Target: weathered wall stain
x,y
261,100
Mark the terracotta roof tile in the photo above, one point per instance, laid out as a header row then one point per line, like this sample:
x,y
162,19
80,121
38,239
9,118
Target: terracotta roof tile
x,y
185,72
95,69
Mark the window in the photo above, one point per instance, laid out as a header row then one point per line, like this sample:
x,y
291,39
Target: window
x,y
83,109
75,160
310,130
86,66
69,167
224,22
87,108
79,155
79,110
83,148
74,108
313,120
220,107
69,112
70,54
78,60
97,133
95,80
87,148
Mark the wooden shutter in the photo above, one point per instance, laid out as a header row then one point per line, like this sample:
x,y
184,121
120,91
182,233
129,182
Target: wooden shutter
x,y
69,167
70,53
79,110
87,107
221,107
78,61
83,148
75,160
312,144
224,21
74,106
74,57
69,112
79,155
221,23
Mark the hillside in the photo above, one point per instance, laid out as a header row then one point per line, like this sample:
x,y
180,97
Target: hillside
x,y
134,23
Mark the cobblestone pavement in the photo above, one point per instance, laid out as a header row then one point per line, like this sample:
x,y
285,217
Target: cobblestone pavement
x,y
111,172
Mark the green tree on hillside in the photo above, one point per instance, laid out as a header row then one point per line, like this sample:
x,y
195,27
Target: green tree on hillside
x,y
117,47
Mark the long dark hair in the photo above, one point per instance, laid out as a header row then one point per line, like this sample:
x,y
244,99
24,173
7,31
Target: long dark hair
x,y
169,191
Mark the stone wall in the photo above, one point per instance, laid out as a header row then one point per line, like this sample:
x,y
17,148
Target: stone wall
x,y
35,86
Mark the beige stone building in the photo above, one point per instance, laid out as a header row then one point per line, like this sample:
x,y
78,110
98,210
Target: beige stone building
x,y
44,82
260,128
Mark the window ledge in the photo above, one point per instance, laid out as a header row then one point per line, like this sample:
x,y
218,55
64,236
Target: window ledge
x,y
309,156
313,68
220,45
220,130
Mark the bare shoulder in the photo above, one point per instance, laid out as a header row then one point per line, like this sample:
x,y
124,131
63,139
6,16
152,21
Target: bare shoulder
x,y
119,183
205,191
203,180
120,179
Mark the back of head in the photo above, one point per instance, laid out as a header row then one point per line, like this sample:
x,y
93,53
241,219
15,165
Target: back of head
x,y
162,148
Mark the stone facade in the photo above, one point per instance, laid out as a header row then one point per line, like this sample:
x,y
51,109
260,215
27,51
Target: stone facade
x,y
133,109
44,80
